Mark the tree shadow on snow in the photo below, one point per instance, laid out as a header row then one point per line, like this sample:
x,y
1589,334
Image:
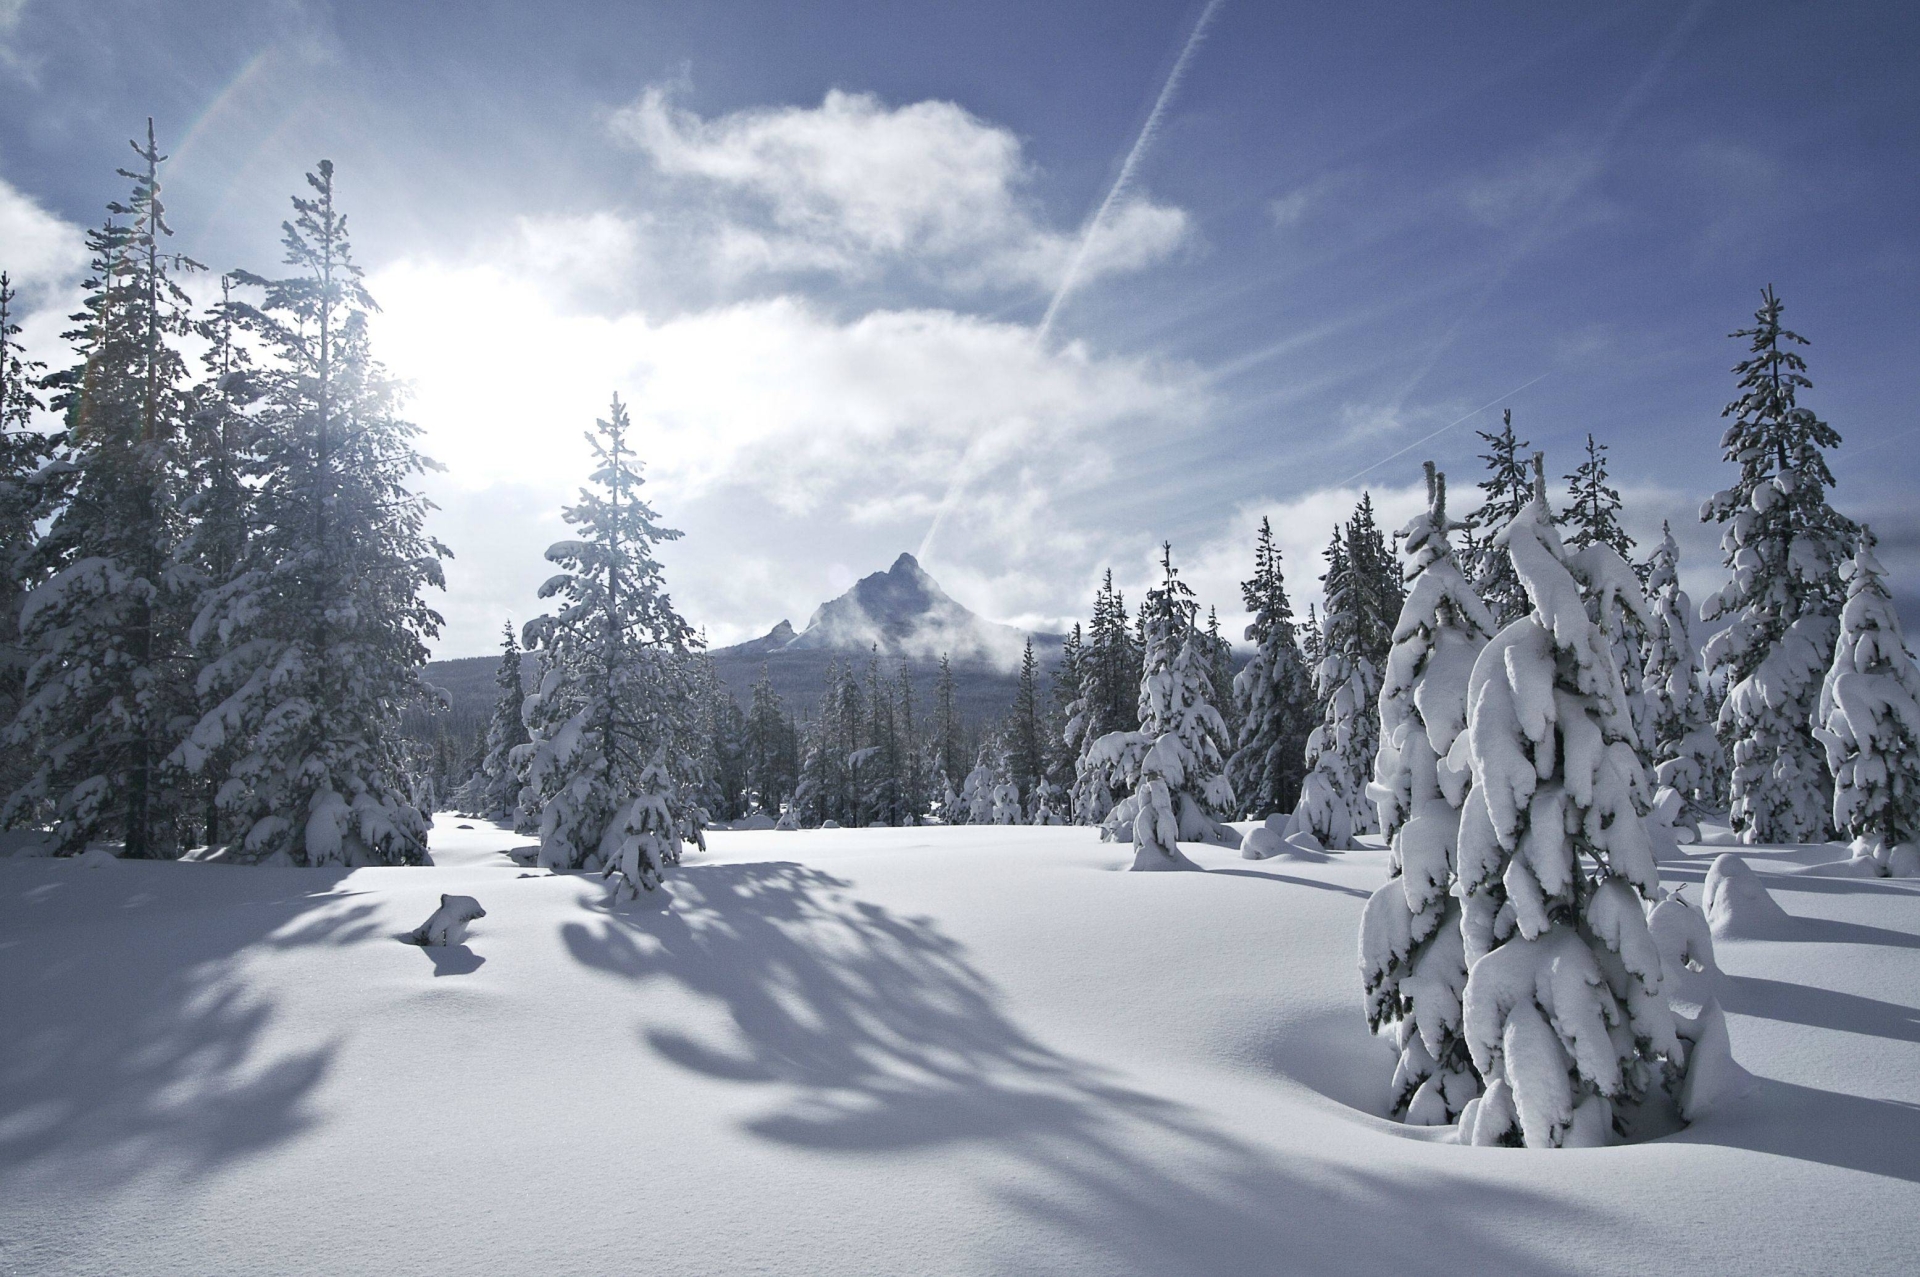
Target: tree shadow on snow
x,y
1853,1132
883,1038
1819,1008
128,1047
1289,878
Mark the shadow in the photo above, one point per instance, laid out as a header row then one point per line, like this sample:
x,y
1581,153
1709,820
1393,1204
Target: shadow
x,y
449,959
1880,1137
1834,931
873,1034
129,1046
1818,1008
1289,878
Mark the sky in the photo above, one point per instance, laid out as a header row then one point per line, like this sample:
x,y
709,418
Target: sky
x,y
1027,289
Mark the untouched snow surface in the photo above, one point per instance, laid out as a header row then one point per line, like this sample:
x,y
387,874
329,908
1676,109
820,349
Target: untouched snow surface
x,y
874,1051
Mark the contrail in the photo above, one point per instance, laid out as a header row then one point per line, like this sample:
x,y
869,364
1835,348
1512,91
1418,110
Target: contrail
x,y
1127,166
1436,434
1074,263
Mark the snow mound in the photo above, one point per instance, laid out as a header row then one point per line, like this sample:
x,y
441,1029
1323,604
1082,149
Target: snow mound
x,y
1260,843
1713,1078
448,923
759,820
1738,906
1684,938
96,857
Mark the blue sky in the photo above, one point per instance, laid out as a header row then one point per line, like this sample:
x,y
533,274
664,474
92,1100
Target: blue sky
x,y
813,246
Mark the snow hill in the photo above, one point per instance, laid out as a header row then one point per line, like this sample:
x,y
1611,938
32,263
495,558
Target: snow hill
x,y
879,1051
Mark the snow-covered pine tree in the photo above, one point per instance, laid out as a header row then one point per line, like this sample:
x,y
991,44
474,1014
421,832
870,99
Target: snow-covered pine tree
x,y
769,779
881,774
1505,492
1869,722
976,795
110,681
1219,656
1313,644
495,789
23,500
1333,804
913,761
1686,754
1593,505
1783,545
1058,749
949,736
319,639
1412,959
614,717
1109,676
1172,766
1272,692
1026,750
1378,594
1563,1013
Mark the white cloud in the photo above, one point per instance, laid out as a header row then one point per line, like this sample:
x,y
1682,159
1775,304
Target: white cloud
x,y
853,186
826,438
41,250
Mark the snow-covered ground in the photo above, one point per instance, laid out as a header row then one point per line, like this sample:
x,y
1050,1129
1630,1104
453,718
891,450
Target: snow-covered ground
x,y
874,1051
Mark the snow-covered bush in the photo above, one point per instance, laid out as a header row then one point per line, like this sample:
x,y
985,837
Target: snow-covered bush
x,y
1563,1010
1869,718
1412,962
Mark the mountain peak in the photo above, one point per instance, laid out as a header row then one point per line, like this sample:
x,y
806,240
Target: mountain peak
x,y
904,613
905,563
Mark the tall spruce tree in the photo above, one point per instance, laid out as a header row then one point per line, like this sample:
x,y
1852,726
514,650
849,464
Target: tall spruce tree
x,y
109,688
319,638
1504,493
1686,754
1413,962
1333,804
1869,722
770,780
614,719
1592,516
1377,592
1026,757
24,449
495,788
1783,545
1273,692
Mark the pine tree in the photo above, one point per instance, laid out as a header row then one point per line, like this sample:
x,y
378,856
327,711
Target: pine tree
x,y
1172,765
1109,679
1413,963
318,640
1026,758
111,678
1377,593
613,723
1593,505
1506,490
1333,804
1686,755
23,500
949,741
1783,545
1563,1012
1273,692
1869,723
496,784
769,780
913,763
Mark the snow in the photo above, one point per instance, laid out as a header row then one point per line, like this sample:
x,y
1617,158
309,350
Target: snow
x,y
924,1050
1738,903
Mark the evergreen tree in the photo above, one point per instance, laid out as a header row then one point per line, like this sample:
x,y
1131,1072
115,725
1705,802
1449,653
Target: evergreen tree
x,y
949,740
108,691
1026,758
769,778
881,797
318,640
496,784
1273,692
1413,962
1109,676
1377,594
1057,748
1563,1012
613,723
1686,755
913,764
1593,505
1313,645
1869,722
1171,766
23,500
1505,492
1333,804
1783,545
